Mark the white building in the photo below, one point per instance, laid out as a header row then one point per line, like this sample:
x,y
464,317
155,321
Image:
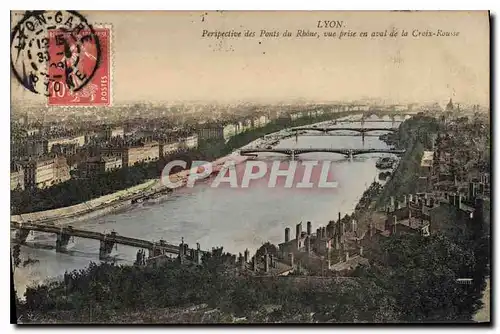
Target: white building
x,y
78,140
427,162
229,131
169,148
99,165
112,163
190,142
117,132
296,116
263,120
32,131
240,127
45,172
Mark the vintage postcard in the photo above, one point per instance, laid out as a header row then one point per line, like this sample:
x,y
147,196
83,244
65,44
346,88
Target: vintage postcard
x,y
250,167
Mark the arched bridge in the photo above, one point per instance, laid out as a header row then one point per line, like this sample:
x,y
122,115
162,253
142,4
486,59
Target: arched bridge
x,y
362,120
331,129
296,151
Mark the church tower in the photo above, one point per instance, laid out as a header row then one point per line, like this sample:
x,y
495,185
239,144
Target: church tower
x,y
449,106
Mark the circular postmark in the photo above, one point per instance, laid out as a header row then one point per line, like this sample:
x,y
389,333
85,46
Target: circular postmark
x,y
54,51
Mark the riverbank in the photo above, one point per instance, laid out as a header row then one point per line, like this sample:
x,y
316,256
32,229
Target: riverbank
x,y
414,135
123,199
215,292
90,209
399,291
483,314
107,204
214,217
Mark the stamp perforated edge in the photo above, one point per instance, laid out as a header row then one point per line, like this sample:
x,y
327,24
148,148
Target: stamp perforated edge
x,y
111,66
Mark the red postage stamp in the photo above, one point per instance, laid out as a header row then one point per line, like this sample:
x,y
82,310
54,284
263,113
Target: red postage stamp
x,y
79,67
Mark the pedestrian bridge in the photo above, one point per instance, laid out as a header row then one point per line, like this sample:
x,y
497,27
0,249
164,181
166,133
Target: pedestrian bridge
x,y
296,151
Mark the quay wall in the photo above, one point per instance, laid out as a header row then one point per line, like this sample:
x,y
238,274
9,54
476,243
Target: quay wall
x,y
90,209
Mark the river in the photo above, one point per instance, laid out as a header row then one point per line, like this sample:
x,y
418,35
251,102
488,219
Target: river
x,y
233,218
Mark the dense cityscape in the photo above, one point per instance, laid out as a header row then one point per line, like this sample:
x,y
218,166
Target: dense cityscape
x,y
437,195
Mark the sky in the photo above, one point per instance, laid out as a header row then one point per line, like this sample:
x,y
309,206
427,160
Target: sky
x,y
161,56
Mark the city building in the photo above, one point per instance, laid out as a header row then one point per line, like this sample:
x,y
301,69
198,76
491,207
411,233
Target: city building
x,y
100,165
274,114
16,177
39,173
230,130
79,140
116,132
334,249
36,147
400,223
452,213
132,154
247,124
189,142
240,126
449,106
256,122
61,169
145,152
64,149
426,163
400,107
169,148
44,172
32,131
211,132
296,115
18,149
263,120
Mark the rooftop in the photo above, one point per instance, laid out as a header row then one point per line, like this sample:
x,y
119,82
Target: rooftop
x,y
350,264
427,159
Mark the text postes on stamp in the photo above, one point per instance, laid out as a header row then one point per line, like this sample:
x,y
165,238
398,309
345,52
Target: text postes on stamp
x,y
96,92
60,55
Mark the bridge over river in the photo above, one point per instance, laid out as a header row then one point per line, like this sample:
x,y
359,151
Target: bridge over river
x,y
362,120
327,131
296,151
107,240
333,129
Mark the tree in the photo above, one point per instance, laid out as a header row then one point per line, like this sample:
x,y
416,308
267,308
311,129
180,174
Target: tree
x,y
267,248
422,274
16,255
